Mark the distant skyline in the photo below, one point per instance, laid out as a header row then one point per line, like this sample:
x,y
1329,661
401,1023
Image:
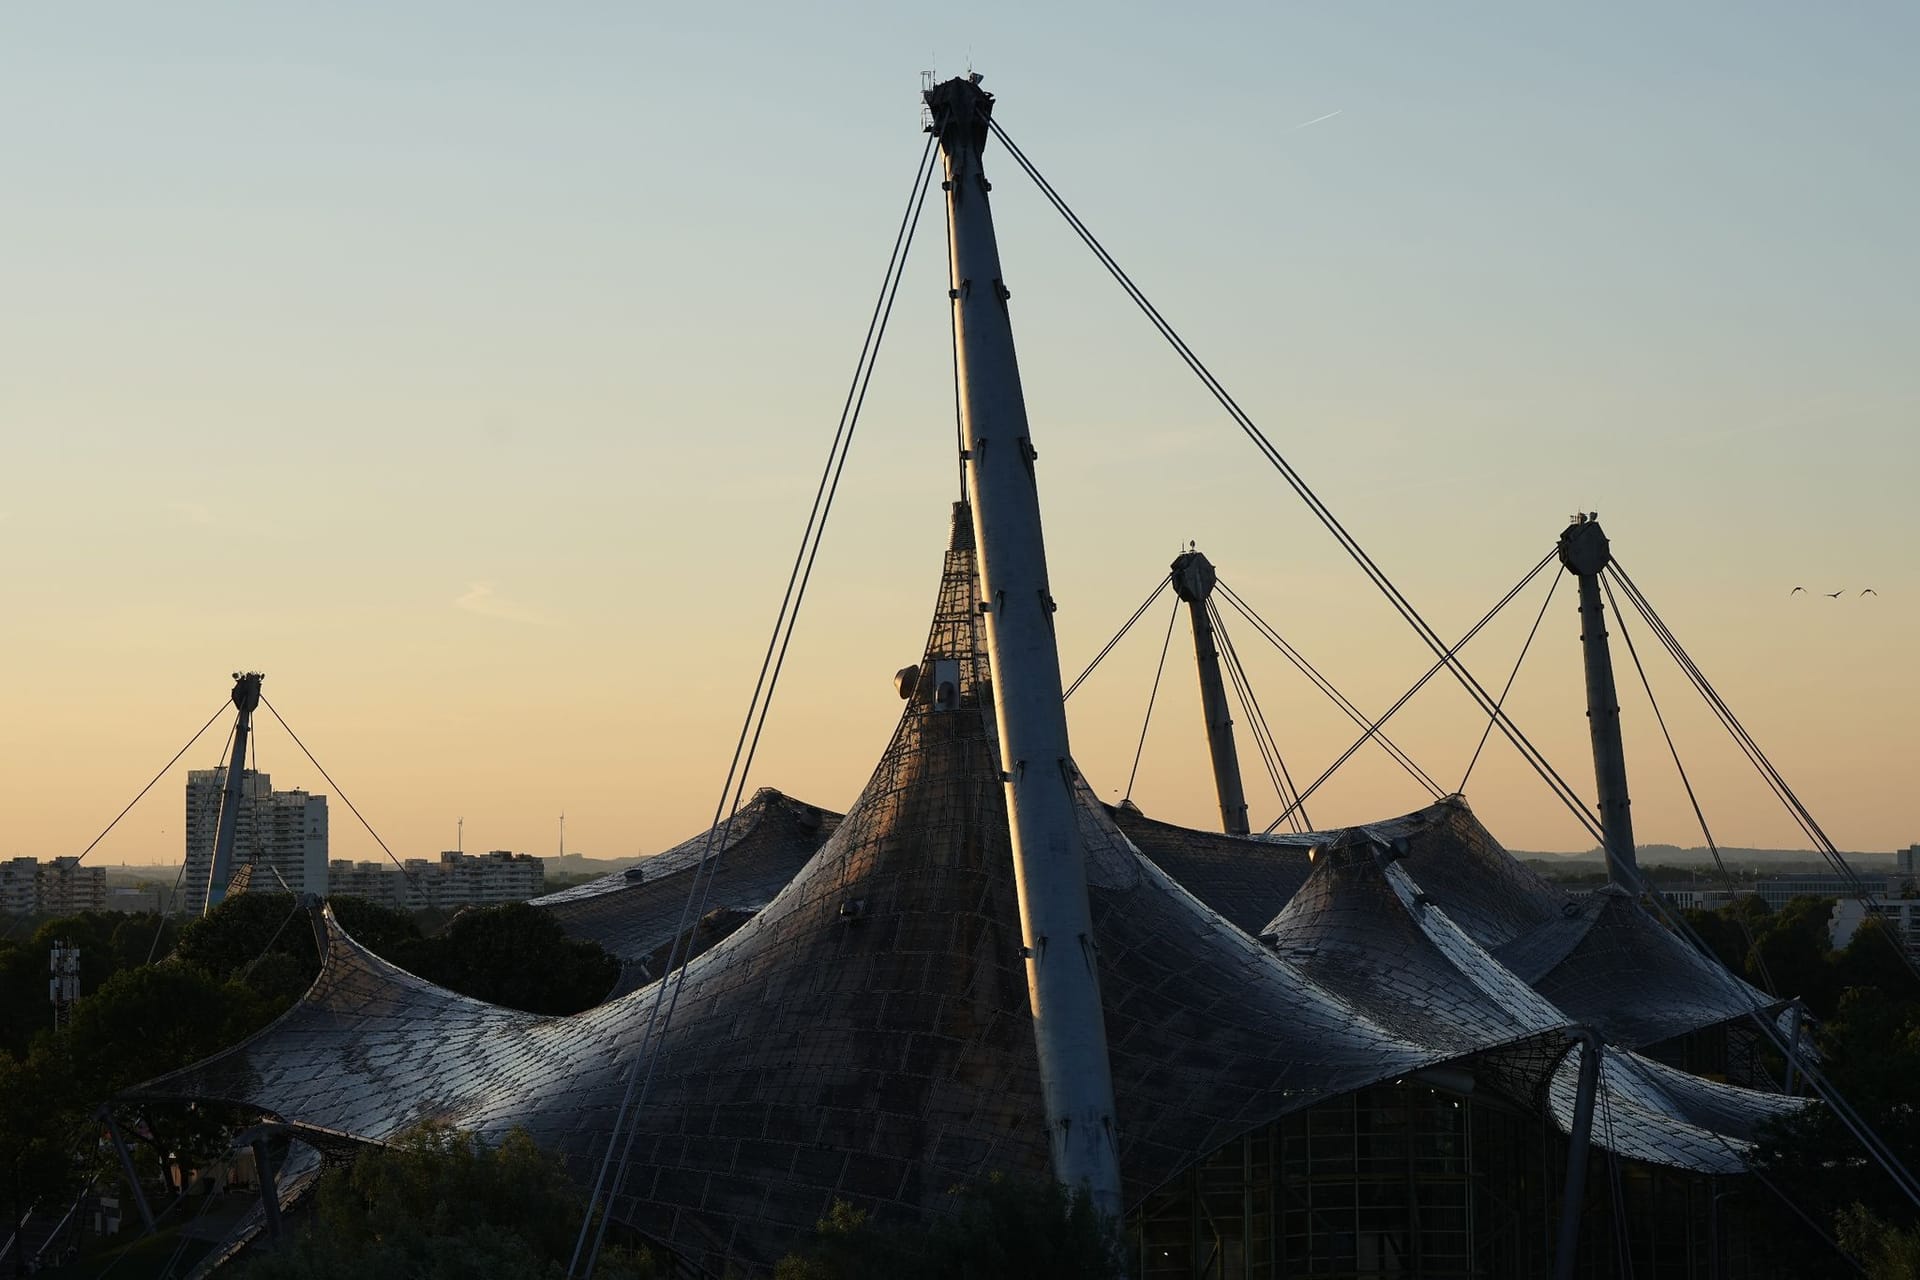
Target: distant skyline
x,y
467,369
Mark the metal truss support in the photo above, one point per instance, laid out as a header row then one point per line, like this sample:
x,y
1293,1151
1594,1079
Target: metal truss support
x,y
1056,923
1585,552
1193,580
1574,1193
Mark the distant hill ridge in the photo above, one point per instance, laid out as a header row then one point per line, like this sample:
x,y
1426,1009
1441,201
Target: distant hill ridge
x,y
1674,855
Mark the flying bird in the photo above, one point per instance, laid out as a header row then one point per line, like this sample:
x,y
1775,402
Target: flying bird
x,y
1869,592
1796,591
1834,595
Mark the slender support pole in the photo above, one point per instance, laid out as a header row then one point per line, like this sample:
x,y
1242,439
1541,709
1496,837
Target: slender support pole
x,y
1713,1229
1793,1050
21,1212
246,697
134,1188
1063,985
1193,580
269,1190
1585,552
1573,1195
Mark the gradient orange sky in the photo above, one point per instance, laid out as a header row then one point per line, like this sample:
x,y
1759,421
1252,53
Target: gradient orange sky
x,y
468,370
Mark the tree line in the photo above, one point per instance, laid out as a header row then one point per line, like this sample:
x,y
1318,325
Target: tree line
x,y
219,979
1862,1006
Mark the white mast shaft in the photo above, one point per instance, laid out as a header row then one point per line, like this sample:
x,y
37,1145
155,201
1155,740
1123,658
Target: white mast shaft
x,y
1049,870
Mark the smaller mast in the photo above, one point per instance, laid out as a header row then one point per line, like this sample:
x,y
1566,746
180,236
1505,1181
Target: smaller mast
x,y
1584,551
1193,580
246,697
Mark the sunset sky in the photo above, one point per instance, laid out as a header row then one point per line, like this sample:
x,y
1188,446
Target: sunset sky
x,y
467,369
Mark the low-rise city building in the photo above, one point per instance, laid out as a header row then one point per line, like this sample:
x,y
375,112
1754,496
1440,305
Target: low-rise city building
x,y
455,880
1902,915
1778,891
19,886
132,899
1854,899
67,887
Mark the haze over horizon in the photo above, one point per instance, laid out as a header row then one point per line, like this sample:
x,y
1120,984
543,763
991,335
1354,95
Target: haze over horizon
x,y
468,370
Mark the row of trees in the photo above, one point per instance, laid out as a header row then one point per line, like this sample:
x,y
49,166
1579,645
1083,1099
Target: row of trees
x,y
223,977
1863,1004
510,1210
439,1203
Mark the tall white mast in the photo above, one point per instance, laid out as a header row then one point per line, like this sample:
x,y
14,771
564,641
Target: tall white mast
x,y
1056,925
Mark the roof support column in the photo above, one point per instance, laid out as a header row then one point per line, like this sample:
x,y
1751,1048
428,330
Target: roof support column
x,y
134,1189
1193,580
269,1186
1573,1193
1585,552
1063,985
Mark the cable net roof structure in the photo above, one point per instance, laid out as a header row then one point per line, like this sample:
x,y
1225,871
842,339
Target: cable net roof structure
x,y
1657,1114
1609,963
1602,959
1360,926
1250,879
634,913
866,1034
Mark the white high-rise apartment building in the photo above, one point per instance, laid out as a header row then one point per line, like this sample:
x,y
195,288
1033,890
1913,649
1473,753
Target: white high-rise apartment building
x,y
59,888
284,833
20,886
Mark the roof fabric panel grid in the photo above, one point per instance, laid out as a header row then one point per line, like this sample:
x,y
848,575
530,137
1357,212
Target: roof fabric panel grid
x,y
634,914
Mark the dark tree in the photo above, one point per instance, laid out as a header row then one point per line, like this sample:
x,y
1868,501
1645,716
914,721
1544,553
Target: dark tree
x,y
1003,1229
1721,934
108,942
441,1204
242,929
515,955
381,930
1887,1252
1871,959
1793,944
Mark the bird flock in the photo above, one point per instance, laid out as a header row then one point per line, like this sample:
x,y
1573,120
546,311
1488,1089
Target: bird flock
x,y
1835,595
